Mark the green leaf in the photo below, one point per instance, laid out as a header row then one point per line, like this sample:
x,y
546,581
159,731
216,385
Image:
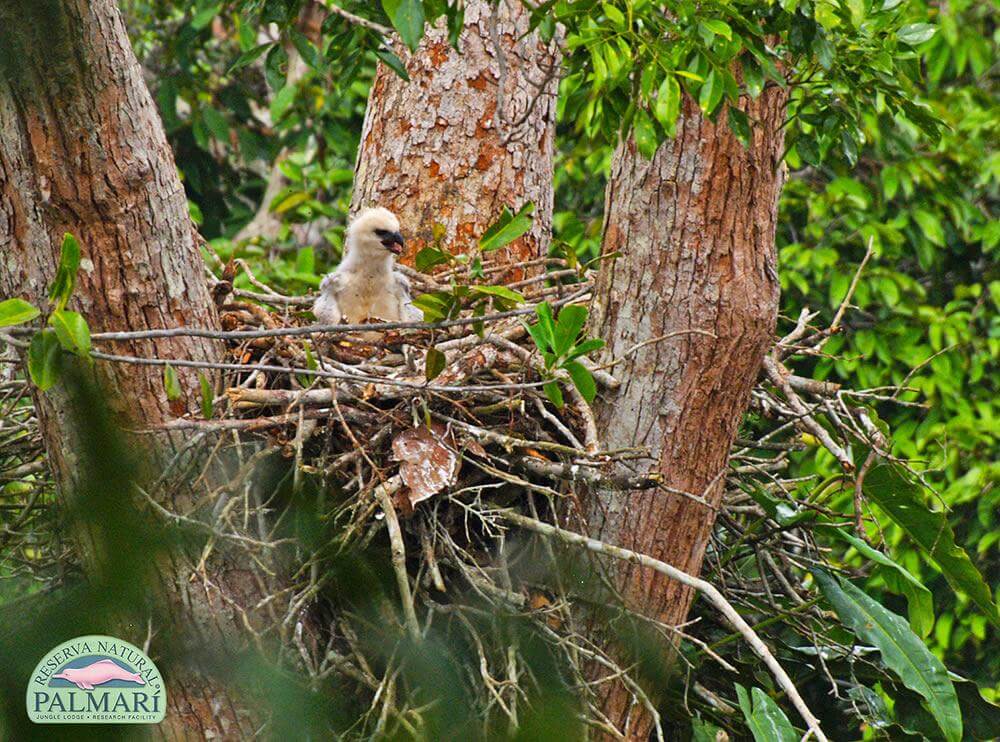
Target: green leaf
x,y
554,393
289,202
507,228
430,257
710,94
282,101
583,380
767,722
311,363
65,280
538,335
980,718
394,63
918,597
306,50
171,384
435,364
203,17
571,320
902,651
502,292
690,75
305,260
207,396
248,58
44,359
668,104
407,17
825,51
72,331
753,77
646,139
546,323
587,346
739,124
720,28
16,312
903,501
850,148
916,33
216,123
436,305
613,14
703,731
456,23
930,225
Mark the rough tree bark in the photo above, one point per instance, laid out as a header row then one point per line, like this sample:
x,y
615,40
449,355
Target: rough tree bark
x,y
695,226
82,150
471,132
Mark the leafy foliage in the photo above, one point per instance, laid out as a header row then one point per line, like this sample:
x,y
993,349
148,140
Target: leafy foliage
x,y
766,720
630,62
901,649
16,312
561,344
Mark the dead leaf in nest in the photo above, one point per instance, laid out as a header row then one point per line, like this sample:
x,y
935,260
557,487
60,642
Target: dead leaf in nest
x,y
474,446
352,352
428,463
401,501
229,322
540,602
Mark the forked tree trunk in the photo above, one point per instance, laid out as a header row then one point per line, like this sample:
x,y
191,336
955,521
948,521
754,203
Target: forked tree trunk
x,y
82,150
695,227
471,132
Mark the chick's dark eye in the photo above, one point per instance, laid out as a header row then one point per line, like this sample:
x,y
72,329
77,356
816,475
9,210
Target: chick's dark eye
x,y
382,232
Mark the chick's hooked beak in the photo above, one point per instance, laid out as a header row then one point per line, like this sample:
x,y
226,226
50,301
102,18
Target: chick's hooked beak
x,y
393,241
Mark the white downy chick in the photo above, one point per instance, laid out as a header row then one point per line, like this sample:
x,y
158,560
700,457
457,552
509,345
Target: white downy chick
x,y
366,284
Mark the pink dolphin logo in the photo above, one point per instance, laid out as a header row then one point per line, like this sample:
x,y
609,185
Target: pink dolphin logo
x,y
96,673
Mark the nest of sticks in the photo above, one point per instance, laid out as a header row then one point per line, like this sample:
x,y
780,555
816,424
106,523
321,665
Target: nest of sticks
x,y
442,474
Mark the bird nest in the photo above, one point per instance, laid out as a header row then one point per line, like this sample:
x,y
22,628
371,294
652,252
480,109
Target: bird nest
x,y
431,460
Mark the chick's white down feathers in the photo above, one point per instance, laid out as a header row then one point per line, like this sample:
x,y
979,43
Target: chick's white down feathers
x,y
366,284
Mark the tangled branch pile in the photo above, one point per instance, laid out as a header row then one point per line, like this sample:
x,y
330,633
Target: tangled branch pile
x,y
438,447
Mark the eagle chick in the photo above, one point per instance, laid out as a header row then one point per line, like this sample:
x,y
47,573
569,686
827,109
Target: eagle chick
x,y
366,284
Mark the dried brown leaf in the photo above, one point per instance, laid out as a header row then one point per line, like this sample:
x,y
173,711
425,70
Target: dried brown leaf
x,y
428,463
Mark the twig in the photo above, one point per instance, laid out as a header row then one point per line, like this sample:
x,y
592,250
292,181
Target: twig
x,y
706,588
183,363
859,497
835,325
399,560
778,375
357,20
174,332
